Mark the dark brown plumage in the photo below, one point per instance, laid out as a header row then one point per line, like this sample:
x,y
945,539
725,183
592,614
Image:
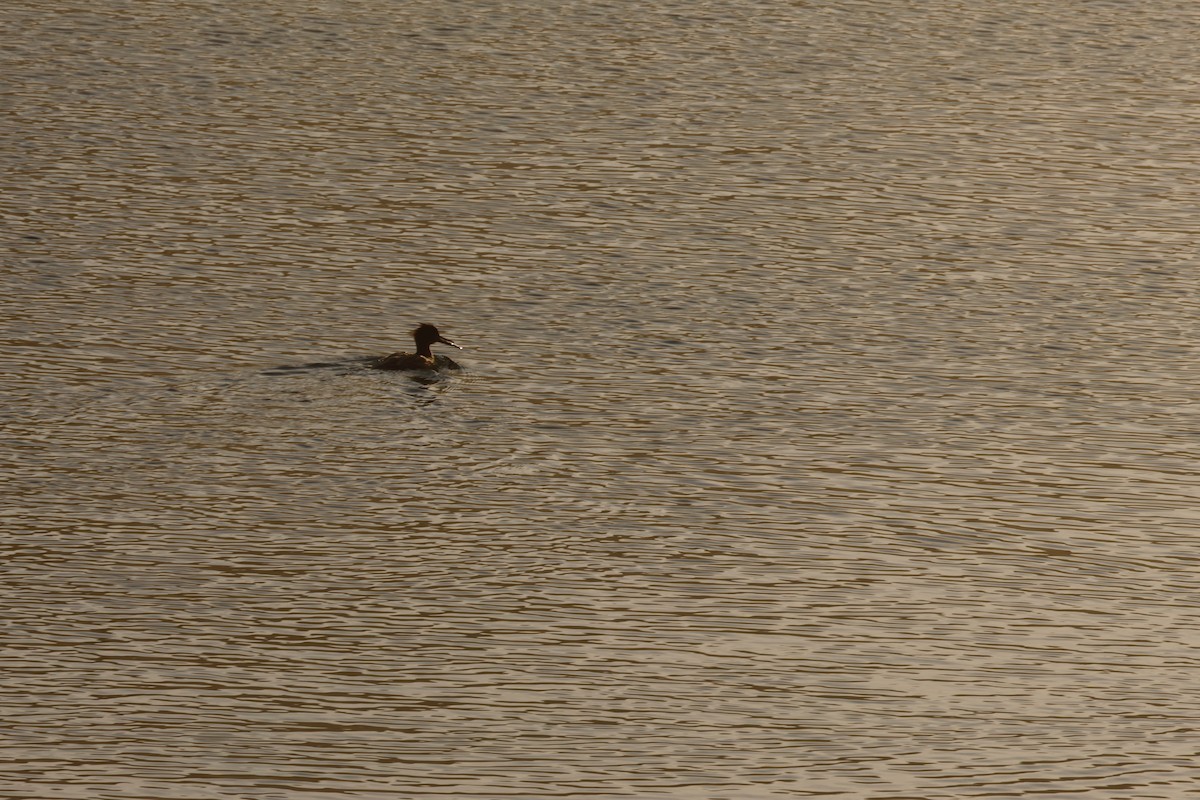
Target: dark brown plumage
x,y
425,335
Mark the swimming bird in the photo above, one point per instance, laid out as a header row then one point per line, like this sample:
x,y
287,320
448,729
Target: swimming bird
x,y
424,335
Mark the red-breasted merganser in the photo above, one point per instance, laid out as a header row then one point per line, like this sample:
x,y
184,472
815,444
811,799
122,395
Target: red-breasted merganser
x,y
424,335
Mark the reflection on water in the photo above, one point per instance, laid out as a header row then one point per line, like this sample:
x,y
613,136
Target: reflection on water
x,y
826,430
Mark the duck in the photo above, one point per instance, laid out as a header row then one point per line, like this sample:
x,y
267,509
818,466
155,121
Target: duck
x,y
424,335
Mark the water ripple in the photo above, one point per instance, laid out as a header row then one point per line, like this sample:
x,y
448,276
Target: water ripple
x,y
826,428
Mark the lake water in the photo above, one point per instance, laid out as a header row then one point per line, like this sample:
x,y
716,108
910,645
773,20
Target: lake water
x,y
829,426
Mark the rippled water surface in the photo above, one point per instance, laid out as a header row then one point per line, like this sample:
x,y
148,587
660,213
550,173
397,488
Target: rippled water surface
x,y
828,429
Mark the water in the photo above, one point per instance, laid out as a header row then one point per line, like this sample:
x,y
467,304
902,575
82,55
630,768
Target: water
x,y
828,427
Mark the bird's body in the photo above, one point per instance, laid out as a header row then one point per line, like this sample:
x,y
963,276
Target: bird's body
x,y
424,335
